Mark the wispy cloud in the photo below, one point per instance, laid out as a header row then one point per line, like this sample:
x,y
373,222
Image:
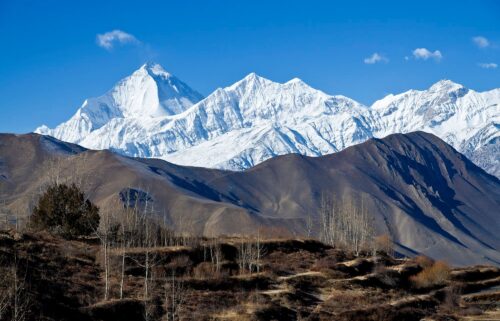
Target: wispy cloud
x,y
481,41
488,65
374,58
425,54
109,39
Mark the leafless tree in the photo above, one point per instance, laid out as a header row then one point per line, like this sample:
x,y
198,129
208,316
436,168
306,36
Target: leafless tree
x,y
330,222
346,223
174,297
216,255
260,251
149,242
5,215
21,302
186,230
244,254
53,167
14,299
250,253
103,233
309,224
148,238
5,292
128,222
124,245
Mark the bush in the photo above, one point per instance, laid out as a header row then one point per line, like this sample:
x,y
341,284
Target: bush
x,y
179,265
385,244
64,210
433,275
424,261
324,263
203,271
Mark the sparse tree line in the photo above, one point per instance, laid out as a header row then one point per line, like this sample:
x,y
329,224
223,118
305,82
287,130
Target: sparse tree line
x,y
250,254
347,224
131,233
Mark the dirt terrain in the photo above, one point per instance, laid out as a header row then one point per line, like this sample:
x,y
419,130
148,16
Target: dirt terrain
x,y
431,199
293,279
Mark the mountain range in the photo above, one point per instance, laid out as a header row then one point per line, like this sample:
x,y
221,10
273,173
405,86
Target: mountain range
x,y
153,114
431,199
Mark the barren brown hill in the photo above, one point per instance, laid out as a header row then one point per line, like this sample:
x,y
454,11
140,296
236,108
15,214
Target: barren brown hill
x,y
429,197
298,279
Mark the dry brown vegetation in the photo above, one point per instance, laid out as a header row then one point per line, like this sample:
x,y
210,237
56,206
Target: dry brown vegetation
x,y
434,274
204,279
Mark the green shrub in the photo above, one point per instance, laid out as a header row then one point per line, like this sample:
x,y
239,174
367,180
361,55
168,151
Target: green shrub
x,y
64,210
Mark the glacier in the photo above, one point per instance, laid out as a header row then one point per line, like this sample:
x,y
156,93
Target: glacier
x,y
154,114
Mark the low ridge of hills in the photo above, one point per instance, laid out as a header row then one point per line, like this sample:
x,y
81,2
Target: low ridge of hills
x,y
430,198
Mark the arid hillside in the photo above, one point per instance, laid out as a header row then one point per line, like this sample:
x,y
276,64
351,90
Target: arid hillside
x,y
428,197
48,278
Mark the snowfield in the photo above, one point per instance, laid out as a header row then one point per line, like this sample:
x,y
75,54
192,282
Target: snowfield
x,y
153,114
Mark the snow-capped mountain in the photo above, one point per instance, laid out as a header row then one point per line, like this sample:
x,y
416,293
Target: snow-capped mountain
x,y
149,93
466,119
153,114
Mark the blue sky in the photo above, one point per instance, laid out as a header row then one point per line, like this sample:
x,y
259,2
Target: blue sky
x,y
50,59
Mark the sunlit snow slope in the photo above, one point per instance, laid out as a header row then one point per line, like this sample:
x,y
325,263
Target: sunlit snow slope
x,y
153,114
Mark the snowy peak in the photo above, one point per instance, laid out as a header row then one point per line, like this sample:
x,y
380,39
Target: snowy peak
x,y
253,81
255,98
447,89
297,82
155,69
463,118
152,91
152,113
445,85
250,82
149,92
443,92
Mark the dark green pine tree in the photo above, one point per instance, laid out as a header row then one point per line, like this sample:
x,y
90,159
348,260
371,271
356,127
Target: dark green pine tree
x,y
64,210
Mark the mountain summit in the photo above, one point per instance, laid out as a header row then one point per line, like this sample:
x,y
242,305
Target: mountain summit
x,y
150,92
153,114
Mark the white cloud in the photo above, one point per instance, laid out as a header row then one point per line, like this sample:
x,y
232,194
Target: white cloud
x,y
109,39
373,59
424,54
490,65
481,41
